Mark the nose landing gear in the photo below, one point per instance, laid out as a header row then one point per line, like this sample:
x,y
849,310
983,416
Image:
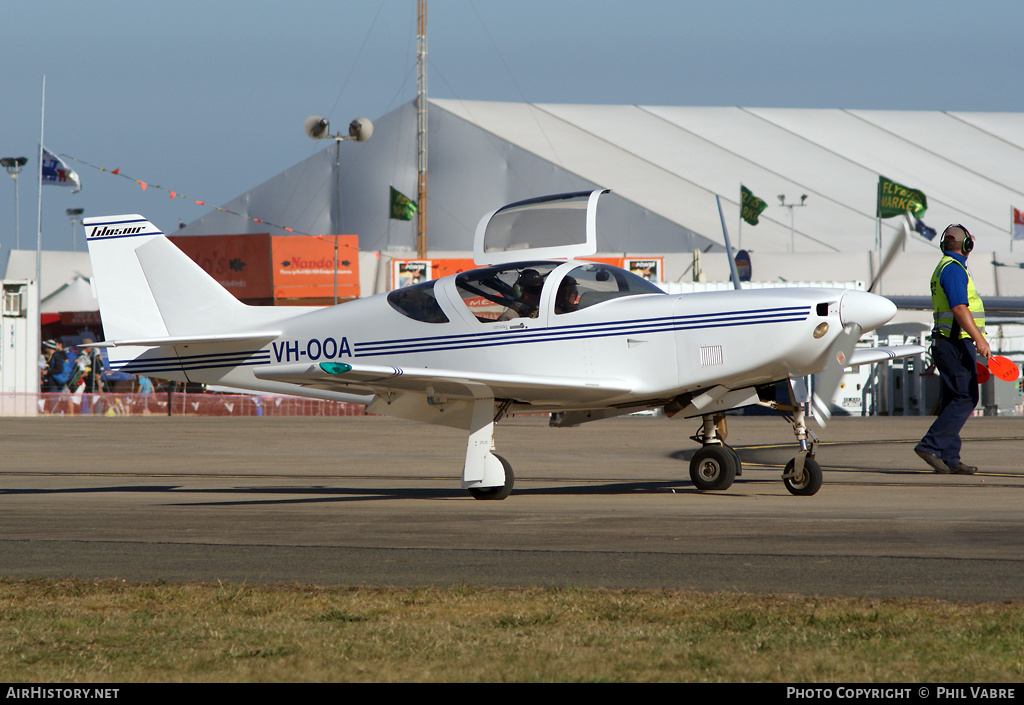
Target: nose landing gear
x,y
802,475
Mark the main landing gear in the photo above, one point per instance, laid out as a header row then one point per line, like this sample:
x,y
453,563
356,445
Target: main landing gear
x,y
486,474
501,491
716,465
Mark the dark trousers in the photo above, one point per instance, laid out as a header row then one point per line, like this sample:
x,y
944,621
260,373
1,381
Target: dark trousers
x,y
956,362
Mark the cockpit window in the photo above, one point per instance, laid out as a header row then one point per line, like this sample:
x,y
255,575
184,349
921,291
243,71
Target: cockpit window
x,y
418,303
505,292
591,284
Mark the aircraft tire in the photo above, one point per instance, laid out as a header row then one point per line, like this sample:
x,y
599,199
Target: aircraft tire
x,y
496,492
713,467
736,459
811,481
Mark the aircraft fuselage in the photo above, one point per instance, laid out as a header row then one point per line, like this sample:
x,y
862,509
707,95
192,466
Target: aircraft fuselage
x,y
652,346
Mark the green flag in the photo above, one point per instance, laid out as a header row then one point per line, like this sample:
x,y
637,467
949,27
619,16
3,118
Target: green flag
x,y
895,199
402,207
752,206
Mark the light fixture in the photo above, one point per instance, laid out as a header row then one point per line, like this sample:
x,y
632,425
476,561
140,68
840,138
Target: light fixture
x,y
13,166
319,128
75,214
791,206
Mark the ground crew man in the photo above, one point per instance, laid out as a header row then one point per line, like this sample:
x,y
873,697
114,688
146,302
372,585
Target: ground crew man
x,y
957,336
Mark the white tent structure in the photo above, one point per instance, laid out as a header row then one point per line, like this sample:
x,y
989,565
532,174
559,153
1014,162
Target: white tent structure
x,y
665,165
66,276
75,295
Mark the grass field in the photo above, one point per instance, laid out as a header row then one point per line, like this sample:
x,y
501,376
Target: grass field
x,y
116,632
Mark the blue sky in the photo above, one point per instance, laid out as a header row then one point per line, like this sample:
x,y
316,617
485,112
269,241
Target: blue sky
x,y
208,98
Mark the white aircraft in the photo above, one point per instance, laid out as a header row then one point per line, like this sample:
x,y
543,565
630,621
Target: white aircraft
x,y
535,330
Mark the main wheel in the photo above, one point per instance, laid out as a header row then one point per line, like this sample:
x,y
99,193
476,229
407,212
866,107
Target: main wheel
x,y
808,483
713,467
736,459
496,492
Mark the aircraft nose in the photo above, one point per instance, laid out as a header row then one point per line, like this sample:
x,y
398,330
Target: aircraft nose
x,y
867,310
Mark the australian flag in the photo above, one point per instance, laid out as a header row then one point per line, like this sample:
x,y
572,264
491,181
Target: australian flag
x,y
924,230
56,173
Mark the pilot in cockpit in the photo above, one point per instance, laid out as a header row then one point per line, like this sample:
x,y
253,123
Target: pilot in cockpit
x,y
527,296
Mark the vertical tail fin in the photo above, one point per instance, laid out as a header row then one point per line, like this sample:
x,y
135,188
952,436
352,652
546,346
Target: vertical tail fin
x,y
148,288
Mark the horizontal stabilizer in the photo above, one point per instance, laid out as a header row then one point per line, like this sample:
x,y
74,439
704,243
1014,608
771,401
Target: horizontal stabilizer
x,y
259,338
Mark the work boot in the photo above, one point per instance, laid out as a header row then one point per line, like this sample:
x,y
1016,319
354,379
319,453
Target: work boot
x,y
933,460
963,469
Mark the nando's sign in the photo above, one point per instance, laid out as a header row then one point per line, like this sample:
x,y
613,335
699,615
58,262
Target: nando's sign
x,y
260,267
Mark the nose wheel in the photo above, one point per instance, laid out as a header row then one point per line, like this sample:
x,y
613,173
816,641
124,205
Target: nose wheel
x,y
802,475
804,482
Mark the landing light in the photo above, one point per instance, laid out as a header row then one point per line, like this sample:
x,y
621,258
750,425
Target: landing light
x,y
335,368
820,330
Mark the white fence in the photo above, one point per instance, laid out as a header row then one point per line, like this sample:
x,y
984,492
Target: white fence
x,y
181,404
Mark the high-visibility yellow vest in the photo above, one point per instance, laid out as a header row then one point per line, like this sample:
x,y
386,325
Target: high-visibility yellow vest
x,y
943,313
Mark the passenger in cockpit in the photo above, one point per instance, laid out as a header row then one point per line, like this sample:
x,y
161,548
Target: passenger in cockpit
x,y
567,298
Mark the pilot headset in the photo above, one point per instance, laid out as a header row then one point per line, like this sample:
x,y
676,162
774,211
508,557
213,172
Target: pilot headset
x,y
968,243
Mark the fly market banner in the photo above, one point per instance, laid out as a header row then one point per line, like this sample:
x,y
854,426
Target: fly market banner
x,y
896,199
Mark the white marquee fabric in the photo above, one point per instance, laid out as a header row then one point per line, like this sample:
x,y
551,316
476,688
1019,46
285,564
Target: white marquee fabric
x,y
665,166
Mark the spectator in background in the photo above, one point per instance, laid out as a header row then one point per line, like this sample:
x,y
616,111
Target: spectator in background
x,y
145,389
57,371
145,385
91,365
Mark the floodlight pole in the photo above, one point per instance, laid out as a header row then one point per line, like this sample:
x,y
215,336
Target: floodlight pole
x,y
337,210
13,166
791,206
421,128
360,130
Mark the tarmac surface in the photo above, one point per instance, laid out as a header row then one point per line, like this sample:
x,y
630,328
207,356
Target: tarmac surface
x,y
377,501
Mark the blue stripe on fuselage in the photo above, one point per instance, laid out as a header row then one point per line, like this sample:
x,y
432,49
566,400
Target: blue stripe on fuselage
x,y
582,331
665,324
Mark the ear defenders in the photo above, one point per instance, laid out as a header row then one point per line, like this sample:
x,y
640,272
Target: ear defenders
x,y
968,243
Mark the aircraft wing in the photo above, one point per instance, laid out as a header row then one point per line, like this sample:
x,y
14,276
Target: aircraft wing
x,y
452,383
994,305
867,356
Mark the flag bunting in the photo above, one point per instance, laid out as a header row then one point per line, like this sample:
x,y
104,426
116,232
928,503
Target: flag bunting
x,y
176,194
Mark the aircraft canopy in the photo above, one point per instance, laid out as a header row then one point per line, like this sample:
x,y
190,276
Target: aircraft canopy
x,y
560,226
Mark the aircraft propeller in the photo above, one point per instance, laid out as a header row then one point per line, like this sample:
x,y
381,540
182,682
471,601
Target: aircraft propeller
x,y
827,381
890,255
